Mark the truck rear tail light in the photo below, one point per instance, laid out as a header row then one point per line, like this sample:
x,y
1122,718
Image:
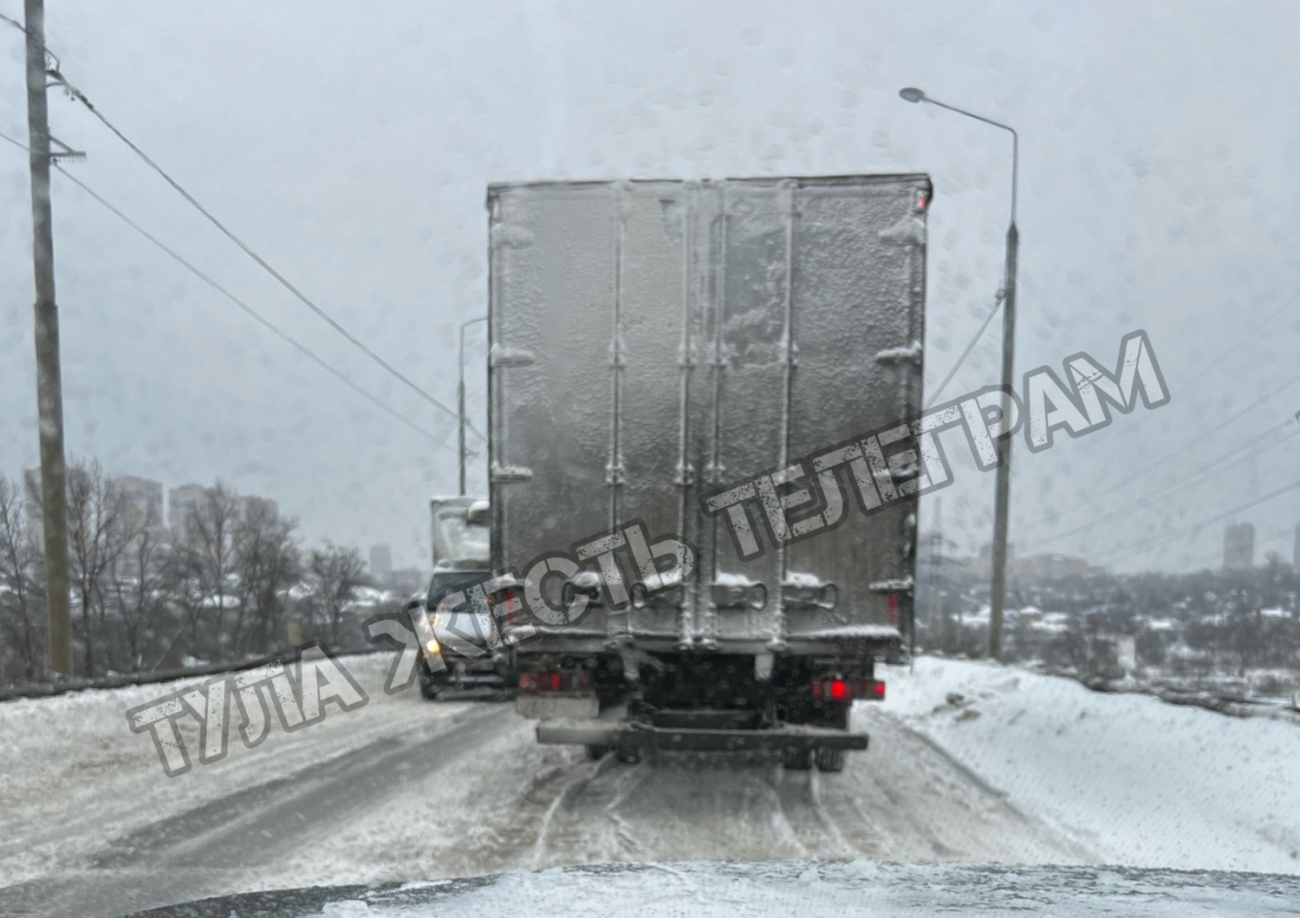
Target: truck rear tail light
x,y
558,681
846,690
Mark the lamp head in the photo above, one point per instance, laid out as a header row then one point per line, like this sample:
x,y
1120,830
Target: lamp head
x,y
911,94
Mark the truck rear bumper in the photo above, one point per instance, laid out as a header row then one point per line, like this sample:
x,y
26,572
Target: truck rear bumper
x,y
565,731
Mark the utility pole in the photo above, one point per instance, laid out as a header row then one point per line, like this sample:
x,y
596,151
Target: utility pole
x,y
49,378
460,416
1002,501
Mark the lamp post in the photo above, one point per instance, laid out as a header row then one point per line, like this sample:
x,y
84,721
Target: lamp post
x,y
1003,498
460,400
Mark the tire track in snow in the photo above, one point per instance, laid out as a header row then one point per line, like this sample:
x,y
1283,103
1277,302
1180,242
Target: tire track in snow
x,y
584,777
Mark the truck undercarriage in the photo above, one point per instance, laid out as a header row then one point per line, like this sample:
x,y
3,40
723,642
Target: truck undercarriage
x,y
699,702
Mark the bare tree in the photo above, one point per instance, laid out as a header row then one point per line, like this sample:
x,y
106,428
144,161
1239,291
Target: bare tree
x,y
96,540
22,592
203,568
335,574
268,563
142,582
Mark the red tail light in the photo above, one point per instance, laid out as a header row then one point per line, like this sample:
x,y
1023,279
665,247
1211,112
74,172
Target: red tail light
x,y
844,690
562,681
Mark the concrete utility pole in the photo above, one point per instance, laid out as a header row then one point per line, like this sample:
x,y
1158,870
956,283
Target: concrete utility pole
x,y
1001,510
49,378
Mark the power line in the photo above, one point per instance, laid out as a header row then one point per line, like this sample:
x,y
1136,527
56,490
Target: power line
x,y
240,303
1250,336
1192,530
1176,485
1195,441
966,353
333,323
55,74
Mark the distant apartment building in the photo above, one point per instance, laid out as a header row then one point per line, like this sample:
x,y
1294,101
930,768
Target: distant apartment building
x,y
1049,567
146,495
253,508
181,504
143,494
1238,547
381,562
984,562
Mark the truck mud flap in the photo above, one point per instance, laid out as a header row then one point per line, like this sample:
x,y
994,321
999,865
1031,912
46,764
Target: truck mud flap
x,y
569,731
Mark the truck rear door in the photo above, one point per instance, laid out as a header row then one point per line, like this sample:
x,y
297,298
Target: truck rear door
x,y
653,342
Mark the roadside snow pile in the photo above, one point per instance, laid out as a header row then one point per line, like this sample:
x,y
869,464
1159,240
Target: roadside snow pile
x,y
1140,782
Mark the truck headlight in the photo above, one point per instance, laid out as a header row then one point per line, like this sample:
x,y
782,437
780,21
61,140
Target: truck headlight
x,y
431,646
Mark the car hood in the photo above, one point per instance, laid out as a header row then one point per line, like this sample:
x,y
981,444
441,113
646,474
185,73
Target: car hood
x,y
784,889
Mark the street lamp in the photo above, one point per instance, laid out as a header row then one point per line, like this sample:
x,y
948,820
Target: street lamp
x,y
1003,499
460,400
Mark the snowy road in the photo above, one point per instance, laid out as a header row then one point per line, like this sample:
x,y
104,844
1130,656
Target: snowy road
x,y
969,762
408,790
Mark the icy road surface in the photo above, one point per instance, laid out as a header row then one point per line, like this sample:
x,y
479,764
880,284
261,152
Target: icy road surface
x,y
404,790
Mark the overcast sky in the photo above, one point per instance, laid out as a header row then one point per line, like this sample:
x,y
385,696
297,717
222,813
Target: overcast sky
x,y
351,143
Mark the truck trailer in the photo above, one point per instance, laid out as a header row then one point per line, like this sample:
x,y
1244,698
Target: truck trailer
x,y
654,347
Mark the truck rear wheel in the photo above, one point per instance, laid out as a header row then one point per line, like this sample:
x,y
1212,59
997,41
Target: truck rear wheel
x,y
830,759
596,753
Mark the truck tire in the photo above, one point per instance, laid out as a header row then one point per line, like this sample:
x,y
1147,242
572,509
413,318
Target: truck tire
x,y
428,690
830,760
596,753
629,756
797,759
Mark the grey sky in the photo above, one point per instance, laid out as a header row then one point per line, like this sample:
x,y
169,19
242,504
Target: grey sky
x,y
350,143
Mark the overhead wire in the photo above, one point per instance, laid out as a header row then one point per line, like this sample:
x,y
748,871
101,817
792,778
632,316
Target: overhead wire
x,y
1197,527
1253,333
55,74
252,313
1200,476
261,262
1199,438
979,333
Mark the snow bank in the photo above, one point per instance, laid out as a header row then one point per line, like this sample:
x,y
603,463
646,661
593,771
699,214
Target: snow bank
x,y
1140,782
